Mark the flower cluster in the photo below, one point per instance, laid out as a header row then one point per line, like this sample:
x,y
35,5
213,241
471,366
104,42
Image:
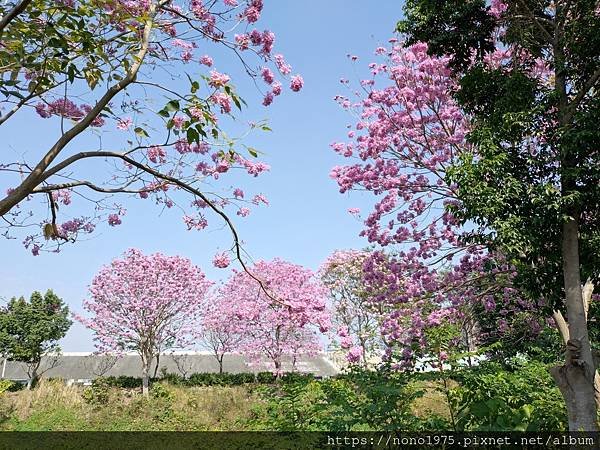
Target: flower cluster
x,y
64,107
409,130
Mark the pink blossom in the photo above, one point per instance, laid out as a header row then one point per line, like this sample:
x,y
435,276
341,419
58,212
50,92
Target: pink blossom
x,y
218,79
267,75
114,220
221,260
253,10
206,60
243,212
268,99
156,154
259,198
124,124
267,39
296,83
242,41
63,196
276,90
197,223
345,342
221,99
354,354
178,122
283,67
498,7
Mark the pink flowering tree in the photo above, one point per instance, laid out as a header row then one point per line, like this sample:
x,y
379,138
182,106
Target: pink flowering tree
x,y
408,131
356,317
284,320
217,333
146,304
134,106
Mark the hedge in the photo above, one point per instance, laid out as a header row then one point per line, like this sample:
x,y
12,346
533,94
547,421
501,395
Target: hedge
x,y
207,379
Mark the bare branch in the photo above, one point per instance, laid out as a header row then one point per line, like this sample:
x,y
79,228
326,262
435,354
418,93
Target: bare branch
x,y
561,323
562,326
586,293
119,190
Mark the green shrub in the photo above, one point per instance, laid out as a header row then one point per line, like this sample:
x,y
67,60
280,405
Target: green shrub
x,y
356,402
124,382
98,392
238,379
161,391
296,377
203,379
15,387
127,382
174,379
265,377
6,385
521,396
220,379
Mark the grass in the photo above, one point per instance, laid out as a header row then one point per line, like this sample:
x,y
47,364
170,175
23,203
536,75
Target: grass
x,y
52,406
434,401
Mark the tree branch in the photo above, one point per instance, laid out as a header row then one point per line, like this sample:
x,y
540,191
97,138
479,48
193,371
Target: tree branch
x,y
591,82
10,16
34,178
119,190
175,181
562,326
536,21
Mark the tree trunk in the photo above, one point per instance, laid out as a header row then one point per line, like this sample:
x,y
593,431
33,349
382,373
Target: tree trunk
x,y
277,368
33,375
146,362
145,383
33,380
157,363
576,377
220,359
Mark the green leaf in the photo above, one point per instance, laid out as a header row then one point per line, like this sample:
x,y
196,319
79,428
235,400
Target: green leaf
x,y
236,101
193,136
173,105
71,72
141,132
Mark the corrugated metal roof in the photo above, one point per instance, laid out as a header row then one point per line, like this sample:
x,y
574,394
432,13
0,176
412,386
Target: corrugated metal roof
x,y
90,366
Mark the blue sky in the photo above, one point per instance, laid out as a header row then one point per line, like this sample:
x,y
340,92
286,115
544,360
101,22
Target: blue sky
x,y
307,218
